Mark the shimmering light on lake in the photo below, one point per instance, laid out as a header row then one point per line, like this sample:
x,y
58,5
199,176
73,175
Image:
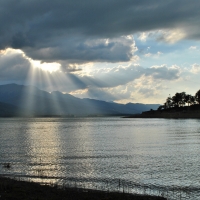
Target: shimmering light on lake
x,y
163,152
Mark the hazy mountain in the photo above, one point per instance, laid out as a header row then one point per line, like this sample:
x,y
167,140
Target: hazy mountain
x,y
8,110
28,100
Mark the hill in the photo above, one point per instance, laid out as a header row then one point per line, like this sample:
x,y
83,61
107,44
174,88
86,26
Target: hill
x,y
8,110
20,100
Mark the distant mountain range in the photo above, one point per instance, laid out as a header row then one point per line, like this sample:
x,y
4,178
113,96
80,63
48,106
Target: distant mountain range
x,y
20,100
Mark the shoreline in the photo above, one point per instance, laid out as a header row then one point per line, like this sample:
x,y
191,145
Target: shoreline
x,y
168,115
17,189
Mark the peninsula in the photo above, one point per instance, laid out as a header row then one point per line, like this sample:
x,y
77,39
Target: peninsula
x,y
181,105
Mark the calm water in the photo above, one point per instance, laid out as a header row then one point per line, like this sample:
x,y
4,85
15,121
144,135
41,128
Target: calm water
x,y
163,152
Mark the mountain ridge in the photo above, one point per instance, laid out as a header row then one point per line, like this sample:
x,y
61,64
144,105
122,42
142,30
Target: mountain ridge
x,y
31,101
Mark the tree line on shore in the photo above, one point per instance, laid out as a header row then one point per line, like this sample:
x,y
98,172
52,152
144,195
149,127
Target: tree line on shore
x,y
180,100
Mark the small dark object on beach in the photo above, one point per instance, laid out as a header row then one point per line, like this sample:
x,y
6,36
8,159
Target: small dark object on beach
x,y
7,165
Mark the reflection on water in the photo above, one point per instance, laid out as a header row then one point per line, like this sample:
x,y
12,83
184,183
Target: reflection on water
x,y
44,150
163,152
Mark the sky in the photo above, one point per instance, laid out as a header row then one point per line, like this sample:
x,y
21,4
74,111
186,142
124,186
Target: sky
x,y
112,50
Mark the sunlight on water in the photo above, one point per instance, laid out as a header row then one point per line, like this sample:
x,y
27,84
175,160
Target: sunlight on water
x,y
43,150
93,151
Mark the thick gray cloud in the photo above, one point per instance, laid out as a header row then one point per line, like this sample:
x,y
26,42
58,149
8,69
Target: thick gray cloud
x,y
122,75
14,67
67,29
117,76
84,50
17,68
163,72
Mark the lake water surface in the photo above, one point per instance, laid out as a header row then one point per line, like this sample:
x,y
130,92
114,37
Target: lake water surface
x,y
159,152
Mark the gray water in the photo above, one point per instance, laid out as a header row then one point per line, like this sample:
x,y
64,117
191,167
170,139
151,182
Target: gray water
x,y
159,152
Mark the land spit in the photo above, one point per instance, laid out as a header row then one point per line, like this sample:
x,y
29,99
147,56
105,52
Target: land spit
x,y
178,113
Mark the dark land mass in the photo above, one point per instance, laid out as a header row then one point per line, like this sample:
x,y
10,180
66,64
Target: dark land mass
x,y
185,112
20,190
7,109
19,101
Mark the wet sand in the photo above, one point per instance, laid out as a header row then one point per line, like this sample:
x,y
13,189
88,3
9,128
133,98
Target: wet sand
x,y
11,189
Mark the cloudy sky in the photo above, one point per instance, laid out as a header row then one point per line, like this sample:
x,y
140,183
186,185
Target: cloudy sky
x,y
113,50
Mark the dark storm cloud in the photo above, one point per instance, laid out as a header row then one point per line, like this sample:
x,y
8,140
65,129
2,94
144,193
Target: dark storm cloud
x,y
61,30
85,50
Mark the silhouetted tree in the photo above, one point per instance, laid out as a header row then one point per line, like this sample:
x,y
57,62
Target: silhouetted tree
x,y
197,96
177,99
183,95
180,99
169,102
188,99
192,100
160,107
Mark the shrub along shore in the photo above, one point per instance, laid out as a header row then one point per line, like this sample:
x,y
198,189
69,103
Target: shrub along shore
x,y
14,190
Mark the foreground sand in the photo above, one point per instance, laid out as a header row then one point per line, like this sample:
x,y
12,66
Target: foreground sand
x,y
13,189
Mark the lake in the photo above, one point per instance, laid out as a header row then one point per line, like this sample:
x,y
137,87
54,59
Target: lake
x,y
162,154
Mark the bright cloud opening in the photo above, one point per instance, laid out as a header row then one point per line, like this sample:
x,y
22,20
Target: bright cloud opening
x,y
50,67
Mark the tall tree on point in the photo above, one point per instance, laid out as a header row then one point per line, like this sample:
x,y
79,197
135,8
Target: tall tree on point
x,y
197,96
188,99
